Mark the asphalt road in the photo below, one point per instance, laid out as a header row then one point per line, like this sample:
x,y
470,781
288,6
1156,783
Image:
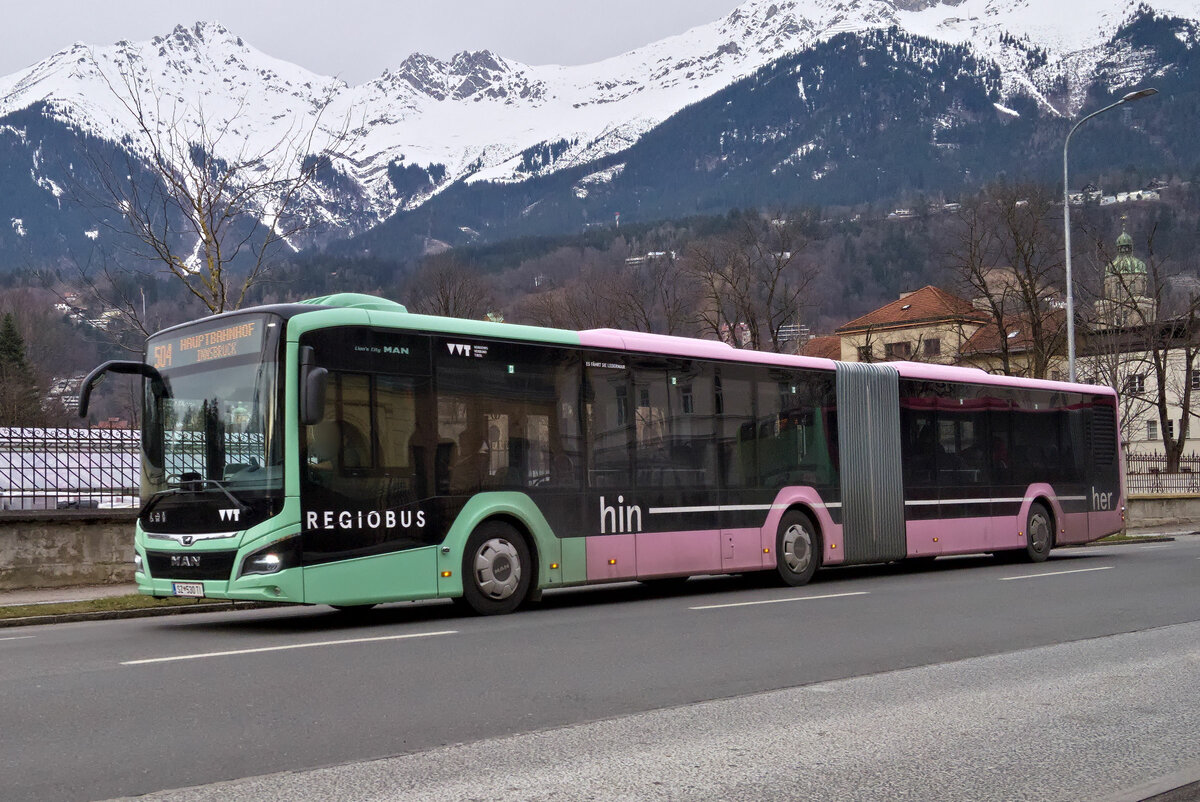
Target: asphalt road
x,y
104,709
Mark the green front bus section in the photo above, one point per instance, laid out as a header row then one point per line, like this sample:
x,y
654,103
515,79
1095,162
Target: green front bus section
x,y
407,575
425,572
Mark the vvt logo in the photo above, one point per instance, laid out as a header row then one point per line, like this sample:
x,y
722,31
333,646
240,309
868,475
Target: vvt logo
x,y
466,349
234,514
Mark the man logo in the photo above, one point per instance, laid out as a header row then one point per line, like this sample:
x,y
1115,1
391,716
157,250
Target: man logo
x,y
185,561
230,514
186,540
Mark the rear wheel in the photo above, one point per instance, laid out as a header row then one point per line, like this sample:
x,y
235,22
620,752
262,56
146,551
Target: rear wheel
x,y
797,548
497,569
1039,534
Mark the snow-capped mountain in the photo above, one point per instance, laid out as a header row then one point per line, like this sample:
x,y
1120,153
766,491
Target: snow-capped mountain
x,y
430,124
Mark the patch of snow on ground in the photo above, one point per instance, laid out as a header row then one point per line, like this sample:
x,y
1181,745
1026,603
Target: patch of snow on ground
x,y
18,226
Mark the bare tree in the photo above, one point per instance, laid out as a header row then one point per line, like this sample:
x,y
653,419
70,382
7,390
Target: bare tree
x,y
653,293
445,286
1007,256
210,213
755,277
1146,343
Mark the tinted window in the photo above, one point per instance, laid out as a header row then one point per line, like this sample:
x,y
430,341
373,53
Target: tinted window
x,y
674,423
607,421
794,447
737,427
506,417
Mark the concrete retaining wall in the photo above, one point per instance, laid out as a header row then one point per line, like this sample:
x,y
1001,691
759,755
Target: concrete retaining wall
x,y
1148,510
63,548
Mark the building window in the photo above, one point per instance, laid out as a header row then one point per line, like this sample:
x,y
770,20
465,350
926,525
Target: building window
x,y
1135,383
866,353
1151,430
1195,379
900,350
1170,430
932,347
1056,376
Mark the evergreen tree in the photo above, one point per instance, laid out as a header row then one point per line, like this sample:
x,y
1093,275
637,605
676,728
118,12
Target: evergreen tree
x,y
20,396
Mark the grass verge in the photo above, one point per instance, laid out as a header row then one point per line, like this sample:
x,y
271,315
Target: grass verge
x,y
1121,537
133,601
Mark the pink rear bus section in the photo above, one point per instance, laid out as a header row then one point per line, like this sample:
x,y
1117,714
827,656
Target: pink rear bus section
x,y
646,555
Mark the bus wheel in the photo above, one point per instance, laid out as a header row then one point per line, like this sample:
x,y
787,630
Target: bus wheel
x,y
1039,534
797,554
497,569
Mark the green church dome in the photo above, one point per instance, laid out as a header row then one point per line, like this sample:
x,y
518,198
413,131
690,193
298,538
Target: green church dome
x,y
1126,264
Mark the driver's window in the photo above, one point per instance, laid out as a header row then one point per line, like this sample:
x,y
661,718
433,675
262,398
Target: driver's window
x,y
343,440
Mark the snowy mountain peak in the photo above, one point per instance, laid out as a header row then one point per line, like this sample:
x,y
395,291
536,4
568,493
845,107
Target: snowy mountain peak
x,y
477,116
465,74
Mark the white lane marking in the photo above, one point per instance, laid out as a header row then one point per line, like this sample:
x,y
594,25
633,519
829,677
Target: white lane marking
x,y
1055,573
778,601
285,648
1156,546
19,637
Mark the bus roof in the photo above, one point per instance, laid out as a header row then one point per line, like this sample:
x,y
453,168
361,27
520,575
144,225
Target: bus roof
x,y
381,311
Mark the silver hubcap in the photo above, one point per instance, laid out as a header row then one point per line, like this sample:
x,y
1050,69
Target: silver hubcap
x,y
797,549
497,568
1039,532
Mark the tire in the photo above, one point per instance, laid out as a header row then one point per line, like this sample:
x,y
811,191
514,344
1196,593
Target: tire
x,y
497,569
797,549
1039,535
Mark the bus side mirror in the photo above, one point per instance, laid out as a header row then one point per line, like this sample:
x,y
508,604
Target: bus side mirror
x,y
157,385
313,380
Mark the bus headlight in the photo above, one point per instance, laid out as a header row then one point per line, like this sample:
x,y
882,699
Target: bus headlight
x,y
273,558
138,567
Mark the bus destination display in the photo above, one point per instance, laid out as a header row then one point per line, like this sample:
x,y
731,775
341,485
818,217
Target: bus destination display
x,y
193,347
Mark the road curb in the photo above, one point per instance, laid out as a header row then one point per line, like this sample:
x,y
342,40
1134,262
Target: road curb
x,y
1140,540
141,612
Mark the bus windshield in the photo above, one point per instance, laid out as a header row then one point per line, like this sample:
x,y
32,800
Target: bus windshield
x,y
215,430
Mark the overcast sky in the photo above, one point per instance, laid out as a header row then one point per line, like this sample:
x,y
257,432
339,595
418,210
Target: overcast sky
x,y
357,39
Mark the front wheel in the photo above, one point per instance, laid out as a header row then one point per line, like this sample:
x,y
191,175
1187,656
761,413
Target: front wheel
x,y
497,569
797,549
1039,534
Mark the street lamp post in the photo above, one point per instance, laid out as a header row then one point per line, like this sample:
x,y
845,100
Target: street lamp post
x,y
1132,96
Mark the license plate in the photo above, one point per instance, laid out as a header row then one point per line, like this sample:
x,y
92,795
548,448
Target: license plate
x,y
192,589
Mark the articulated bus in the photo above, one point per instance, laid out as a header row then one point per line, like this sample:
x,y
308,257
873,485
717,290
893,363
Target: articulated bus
x,y
343,451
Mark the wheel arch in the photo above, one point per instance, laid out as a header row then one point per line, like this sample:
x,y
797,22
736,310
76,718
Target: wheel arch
x,y
515,509
807,501
1044,495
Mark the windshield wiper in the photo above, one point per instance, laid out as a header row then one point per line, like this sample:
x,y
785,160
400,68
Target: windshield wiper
x,y
158,496
241,505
